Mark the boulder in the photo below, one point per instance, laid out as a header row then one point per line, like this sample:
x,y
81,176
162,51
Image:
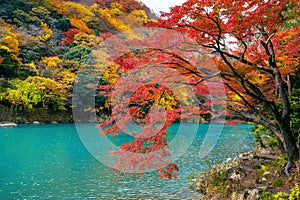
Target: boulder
x,y
253,194
8,124
237,196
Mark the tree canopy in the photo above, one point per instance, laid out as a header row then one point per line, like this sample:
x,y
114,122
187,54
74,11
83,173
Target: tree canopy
x,y
254,44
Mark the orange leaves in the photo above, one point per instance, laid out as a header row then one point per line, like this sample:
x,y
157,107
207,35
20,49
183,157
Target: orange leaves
x,y
79,24
288,44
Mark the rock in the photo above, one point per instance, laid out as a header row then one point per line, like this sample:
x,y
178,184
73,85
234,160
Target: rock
x,y
235,177
8,124
54,122
228,160
261,188
35,122
267,175
235,174
237,196
216,197
247,169
246,156
230,170
253,194
256,166
248,183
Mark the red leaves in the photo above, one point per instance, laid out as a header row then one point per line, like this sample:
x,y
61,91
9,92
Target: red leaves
x,y
169,172
69,36
245,40
152,92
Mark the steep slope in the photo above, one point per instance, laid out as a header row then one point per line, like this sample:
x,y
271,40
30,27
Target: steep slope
x,y
43,43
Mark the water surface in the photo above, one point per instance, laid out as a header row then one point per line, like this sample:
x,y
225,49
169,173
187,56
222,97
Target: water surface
x,y
50,162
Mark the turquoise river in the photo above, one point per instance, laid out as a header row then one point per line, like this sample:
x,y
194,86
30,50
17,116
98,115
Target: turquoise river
x,y
51,162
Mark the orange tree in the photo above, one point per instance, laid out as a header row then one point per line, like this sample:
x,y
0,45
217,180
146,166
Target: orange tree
x,y
256,54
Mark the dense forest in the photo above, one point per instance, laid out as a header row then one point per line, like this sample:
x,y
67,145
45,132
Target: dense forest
x,y
43,43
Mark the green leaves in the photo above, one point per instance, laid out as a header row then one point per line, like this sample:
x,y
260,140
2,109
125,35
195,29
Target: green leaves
x,y
35,92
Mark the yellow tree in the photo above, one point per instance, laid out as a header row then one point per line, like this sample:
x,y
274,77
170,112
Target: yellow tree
x,y
9,50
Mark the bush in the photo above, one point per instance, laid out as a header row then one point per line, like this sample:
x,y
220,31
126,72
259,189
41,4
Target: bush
x,y
278,183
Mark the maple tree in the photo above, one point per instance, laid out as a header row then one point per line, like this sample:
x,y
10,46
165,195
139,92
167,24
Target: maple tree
x,y
142,91
254,53
69,36
255,56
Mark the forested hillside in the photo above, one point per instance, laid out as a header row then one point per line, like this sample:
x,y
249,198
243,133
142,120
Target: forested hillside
x,y
43,43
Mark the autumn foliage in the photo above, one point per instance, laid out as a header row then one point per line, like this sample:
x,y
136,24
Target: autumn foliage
x,y
255,54
256,49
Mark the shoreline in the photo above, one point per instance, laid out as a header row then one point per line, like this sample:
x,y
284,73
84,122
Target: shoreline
x,y
251,176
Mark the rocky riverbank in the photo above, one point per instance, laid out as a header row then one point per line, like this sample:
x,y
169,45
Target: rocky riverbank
x,y
46,116
35,116
250,176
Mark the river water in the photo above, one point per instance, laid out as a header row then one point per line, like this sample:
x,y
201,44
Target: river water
x,y
51,162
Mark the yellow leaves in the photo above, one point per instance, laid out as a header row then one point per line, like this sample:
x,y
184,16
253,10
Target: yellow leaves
x,y
116,9
72,10
115,5
139,16
8,39
4,48
260,79
46,32
168,102
185,96
53,67
153,20
81,25
106,105
236,97
86,40
110,16
257,78
31,67
67,78
49,66
110,73
233,96
51,62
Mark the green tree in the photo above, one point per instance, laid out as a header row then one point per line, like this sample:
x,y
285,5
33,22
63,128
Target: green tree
x,y
35,92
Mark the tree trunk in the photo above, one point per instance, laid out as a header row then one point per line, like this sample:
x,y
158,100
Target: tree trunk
x,y
289,84
290,148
